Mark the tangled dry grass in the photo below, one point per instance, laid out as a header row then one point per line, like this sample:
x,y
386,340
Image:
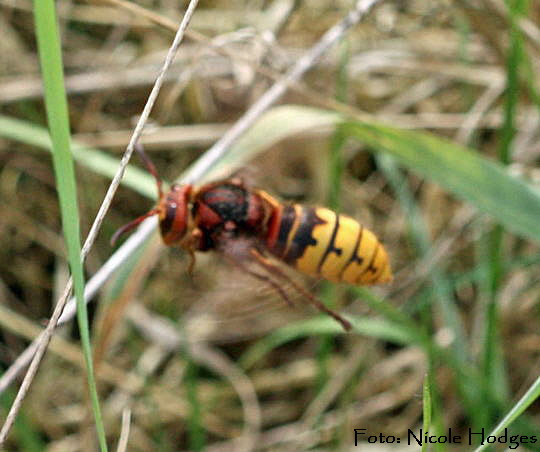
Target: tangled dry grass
x,y
215,361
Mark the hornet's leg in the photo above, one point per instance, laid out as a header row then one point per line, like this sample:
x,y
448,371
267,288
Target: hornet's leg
x,y
275,270
192,261
190,244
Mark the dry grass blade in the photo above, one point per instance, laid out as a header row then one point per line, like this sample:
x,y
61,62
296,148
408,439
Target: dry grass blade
x,y
124,435
40,347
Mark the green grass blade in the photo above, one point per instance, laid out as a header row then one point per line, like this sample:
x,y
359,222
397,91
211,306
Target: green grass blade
x,y
57,114
324,325
426,408
519,408
195,427
513,64
477,180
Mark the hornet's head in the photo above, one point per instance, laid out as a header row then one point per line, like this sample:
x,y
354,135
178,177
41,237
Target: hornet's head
x,y
173,209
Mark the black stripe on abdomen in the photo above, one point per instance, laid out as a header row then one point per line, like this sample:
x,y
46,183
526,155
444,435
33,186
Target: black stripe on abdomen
x,y
304,234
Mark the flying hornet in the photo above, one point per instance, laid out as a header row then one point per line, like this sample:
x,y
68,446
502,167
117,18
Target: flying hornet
x,y
249,227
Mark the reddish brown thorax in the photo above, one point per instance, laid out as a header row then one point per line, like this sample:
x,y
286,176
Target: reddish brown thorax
x,y
225,210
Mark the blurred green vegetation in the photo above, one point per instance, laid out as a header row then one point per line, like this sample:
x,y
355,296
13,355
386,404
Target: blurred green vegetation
x,y
423,125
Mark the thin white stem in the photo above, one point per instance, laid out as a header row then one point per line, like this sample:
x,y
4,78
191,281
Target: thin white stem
x,y
124,433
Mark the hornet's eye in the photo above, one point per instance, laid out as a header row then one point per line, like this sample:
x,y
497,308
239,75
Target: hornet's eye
x,y
174,214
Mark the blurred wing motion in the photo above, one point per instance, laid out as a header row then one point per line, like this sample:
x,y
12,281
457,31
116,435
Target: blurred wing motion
x,y
229,304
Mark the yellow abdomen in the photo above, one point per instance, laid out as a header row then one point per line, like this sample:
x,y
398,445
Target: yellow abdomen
x,y
321,243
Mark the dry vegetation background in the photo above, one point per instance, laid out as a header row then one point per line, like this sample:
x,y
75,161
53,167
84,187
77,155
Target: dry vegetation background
x,y
438,66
